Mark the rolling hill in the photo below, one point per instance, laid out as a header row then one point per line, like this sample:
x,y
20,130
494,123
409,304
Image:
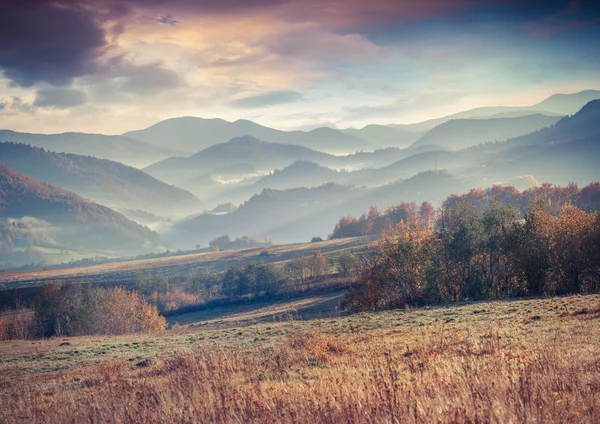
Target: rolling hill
x,y
34,214
301,173
192,134
113,147
103,181
297,214
264,156
460,133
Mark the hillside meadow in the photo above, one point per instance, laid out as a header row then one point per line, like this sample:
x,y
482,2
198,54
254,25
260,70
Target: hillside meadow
x,y
529,360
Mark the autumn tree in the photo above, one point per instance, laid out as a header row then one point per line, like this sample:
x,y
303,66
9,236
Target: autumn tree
x,y
316,264
347,263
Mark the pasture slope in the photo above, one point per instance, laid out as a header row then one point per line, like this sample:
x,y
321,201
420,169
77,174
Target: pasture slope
x,y
123,271
530,360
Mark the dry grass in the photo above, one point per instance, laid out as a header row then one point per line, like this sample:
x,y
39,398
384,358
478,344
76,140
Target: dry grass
x,y
521,361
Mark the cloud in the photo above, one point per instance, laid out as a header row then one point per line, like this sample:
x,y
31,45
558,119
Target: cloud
x,y
167,19
149,78
19,106
59,98
50,41
307,41
269,99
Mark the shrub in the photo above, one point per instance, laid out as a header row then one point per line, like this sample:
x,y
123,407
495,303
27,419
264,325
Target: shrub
x,y
71,310
17,324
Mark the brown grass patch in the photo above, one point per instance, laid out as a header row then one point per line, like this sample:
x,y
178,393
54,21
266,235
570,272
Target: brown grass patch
x,y
506,368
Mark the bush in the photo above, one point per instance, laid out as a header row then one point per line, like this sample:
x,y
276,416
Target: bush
x,y
74,309
316,239
17,324
253,279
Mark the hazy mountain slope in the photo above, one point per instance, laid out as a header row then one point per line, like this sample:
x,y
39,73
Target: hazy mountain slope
x,y
194,134
461,133
381,136
107,182
557,104
35,213
113,147
559,163
568,104
298,214
516,153
431,186
299,174
264,156
264,212
584,123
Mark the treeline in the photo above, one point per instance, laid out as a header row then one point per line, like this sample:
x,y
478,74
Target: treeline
x,y
248,281
555,197
483,249
226,243
80,309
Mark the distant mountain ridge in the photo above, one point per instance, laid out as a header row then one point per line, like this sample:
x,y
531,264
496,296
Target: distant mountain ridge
x,y
555,105
291,214
461,133
193,134
104,181
112,147
381,136
261,155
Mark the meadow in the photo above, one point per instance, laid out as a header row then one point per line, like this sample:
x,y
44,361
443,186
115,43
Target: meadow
x,y
179,264
522,360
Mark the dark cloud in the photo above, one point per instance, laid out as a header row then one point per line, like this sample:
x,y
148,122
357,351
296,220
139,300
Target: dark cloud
x,y
52,41
269,99
168,19
59,98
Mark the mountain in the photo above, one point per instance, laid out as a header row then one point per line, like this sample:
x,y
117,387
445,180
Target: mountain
x,y
264,156
381,136
557,104
509,159
431,186
192,134
568,104
35,214
113,147
285,215
104,181
559,163
301,173
585,123
461,133
294,215
568,151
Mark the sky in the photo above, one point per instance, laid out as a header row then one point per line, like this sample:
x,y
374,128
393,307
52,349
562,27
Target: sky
x,y
110,66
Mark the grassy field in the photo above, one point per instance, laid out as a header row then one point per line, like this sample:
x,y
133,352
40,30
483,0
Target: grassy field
x,y
181,264
532,360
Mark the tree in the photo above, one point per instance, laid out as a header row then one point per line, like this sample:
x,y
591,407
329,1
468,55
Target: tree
x,y
316,264
347,263
298,269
